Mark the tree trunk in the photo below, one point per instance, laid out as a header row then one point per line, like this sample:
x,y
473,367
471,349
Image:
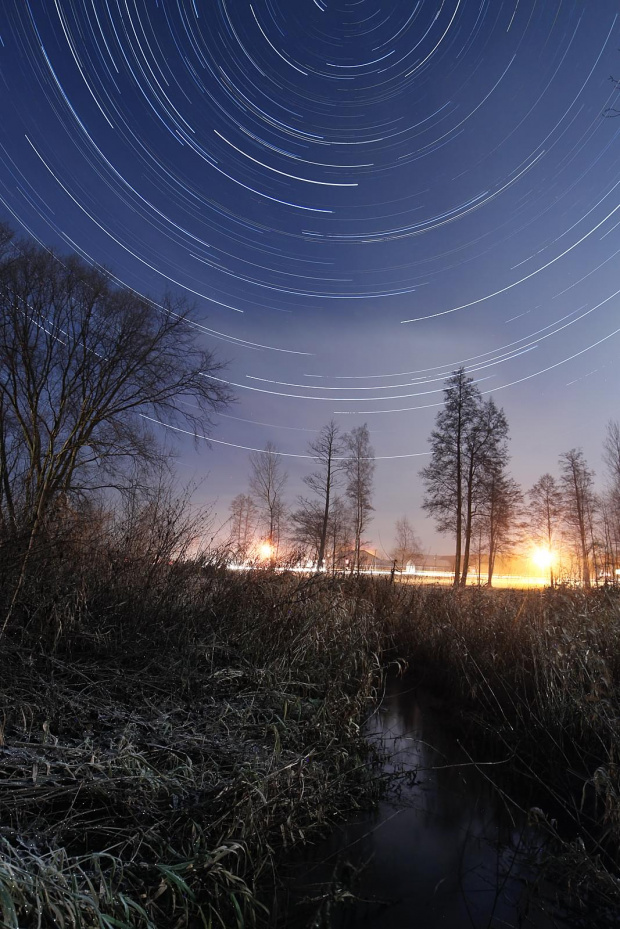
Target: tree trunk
x,y
468,521
459,512
321,554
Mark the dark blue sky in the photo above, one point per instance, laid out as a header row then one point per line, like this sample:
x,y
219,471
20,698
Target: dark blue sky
x,y
358,197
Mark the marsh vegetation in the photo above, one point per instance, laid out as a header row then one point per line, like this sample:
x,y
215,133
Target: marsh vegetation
x,y
171,731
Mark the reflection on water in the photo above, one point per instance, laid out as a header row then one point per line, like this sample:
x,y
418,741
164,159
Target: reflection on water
x,y
442,850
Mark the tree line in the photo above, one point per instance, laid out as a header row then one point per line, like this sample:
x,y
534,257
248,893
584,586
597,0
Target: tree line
x,y
328,524
325,527
89,371
90,368
471,495
468,492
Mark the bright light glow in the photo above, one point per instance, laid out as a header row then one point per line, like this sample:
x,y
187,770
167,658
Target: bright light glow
x,y
266,551
543,557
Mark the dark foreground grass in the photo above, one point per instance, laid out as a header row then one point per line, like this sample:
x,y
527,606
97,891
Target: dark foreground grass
x,y
165,743
170,733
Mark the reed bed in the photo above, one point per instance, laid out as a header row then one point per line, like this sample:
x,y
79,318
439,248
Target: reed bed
x,y
169,732
168,736
537,675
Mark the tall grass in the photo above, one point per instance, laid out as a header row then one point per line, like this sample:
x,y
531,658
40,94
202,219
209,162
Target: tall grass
x,y
168,734
170,729
539,674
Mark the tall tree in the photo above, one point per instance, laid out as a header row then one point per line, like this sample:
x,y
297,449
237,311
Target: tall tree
x,y
243,515
86,367
407,545
469,440
359,470
611,499
579,502
444,475
486,455
502,499
545,515
267,482
327,450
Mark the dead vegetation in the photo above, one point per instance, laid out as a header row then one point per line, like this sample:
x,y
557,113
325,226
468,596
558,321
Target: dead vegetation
x,y
164,743
171,730
538,672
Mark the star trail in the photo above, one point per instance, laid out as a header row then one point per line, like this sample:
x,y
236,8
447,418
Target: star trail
x,y
357,197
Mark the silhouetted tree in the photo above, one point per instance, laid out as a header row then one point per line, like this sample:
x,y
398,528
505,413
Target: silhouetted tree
x,y
86,367
486,455
502,500
444,475
611,451
407,545
327,450
468,441
359,470
243,516
545,514
306,526
579,505
267,482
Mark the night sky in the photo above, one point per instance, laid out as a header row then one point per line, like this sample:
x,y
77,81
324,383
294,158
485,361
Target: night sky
x,y
357,196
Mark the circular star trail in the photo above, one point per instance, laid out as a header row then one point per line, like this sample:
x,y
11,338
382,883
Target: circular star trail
x,y
358,197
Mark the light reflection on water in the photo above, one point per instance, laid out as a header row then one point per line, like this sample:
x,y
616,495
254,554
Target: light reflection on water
x,y
442,850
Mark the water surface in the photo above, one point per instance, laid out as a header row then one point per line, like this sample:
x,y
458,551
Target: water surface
x,y
443,849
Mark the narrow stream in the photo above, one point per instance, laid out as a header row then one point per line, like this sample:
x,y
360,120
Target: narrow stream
x,y
441,850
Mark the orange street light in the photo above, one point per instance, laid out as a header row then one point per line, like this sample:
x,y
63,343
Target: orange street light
x,y
543,557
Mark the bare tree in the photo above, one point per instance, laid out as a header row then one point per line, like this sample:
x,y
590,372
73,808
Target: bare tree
x,y
407,545
580,503
326,450
306,526
86,367
339,533
157,524
243,516
502,500
546,514
359,470
267,482
611,451
610,509
307,529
